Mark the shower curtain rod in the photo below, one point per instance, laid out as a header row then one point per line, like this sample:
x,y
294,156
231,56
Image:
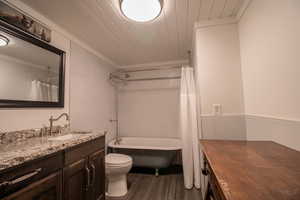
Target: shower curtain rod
x,y
149,69
144,79
153,79
154,69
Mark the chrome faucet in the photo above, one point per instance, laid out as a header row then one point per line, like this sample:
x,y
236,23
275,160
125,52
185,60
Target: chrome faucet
x,y
56,119
117,141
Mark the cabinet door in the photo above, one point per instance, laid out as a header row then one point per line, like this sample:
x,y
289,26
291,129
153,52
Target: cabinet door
x,y
49,188
76,181
97,163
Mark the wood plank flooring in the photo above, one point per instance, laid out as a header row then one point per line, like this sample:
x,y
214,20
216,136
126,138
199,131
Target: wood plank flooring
x,y
165,187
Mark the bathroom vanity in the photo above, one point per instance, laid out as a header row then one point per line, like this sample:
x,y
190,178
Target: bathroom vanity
x,y
54,168
248,170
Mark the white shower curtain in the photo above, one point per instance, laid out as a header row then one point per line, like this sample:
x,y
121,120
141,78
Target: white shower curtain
x,y
43,92
189,129
36,91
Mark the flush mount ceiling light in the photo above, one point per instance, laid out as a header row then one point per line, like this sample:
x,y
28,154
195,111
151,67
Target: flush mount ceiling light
x,y
141,10
3,41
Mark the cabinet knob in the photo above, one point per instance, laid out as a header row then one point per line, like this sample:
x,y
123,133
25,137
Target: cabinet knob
x,y
204,172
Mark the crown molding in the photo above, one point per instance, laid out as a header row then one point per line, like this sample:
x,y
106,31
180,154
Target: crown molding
x,y
229,20
243,9
54,27
217,22
157,64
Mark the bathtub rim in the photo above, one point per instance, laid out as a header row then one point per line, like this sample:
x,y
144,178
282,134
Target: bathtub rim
x,y
174,147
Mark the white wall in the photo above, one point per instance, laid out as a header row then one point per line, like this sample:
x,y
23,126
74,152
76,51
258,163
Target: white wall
x,y
92,97
20,86
19,119
270,50
218,75
150,108
270,46
216,58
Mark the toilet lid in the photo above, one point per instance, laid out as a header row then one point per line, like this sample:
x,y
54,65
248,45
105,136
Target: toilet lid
x,y
117,159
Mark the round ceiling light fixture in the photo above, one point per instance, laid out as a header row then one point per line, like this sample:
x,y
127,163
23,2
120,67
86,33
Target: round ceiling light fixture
x,y
141,10
3,41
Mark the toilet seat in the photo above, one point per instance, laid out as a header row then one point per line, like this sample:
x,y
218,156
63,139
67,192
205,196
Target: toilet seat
x,y
117,160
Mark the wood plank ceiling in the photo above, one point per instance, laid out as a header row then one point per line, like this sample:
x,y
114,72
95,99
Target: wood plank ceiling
x,y
100,24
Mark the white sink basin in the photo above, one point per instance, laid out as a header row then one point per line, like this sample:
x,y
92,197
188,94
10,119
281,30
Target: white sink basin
x,y
69,136
63,137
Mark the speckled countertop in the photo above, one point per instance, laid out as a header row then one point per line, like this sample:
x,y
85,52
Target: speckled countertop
x,y
18,152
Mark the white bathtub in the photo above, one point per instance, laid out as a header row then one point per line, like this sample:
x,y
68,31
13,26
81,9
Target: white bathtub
x,y
148,152
147,143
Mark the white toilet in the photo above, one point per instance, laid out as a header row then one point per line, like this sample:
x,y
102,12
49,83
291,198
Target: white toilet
x,y
117,166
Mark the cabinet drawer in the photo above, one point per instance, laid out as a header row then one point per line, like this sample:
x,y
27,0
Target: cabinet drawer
x,y
17,178
84,150
216,190
49,188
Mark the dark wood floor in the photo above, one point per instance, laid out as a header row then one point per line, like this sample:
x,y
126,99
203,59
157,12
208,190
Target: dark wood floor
x,y
165,187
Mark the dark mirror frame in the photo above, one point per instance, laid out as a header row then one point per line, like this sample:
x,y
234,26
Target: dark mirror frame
x,y
6,103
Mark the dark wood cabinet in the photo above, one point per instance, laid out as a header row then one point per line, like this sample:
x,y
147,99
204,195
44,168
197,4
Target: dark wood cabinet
x,y
49,188
96,161
77,173
76,181
85,179
213,191
84,174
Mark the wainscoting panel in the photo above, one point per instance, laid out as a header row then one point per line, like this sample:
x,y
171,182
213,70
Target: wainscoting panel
x,y
224,127
282,131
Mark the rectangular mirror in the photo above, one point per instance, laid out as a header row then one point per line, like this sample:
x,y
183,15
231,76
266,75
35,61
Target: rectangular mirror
x,y
31,71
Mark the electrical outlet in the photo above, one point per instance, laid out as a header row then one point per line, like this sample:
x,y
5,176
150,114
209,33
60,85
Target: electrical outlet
x,y
217,109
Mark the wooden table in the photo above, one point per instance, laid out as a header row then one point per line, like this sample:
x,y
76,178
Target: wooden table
x,y
256,170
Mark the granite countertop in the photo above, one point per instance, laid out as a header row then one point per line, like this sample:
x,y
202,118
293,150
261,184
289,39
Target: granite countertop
x,y
18,152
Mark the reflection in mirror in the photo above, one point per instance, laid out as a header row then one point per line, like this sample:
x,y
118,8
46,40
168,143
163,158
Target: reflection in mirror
x,y
27,71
